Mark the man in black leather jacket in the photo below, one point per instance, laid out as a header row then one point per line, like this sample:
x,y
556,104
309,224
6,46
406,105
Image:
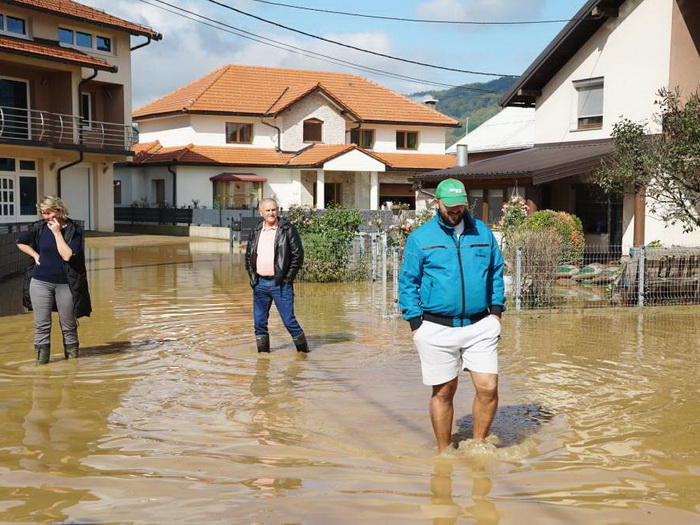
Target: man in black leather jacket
x,y
273,258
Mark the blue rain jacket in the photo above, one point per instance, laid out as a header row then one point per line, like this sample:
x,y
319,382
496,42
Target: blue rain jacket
x,y
449,276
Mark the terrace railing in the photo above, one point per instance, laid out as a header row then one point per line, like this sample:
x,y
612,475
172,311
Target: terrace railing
x,y
33,125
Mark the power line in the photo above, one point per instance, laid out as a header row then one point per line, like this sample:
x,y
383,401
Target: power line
x,y
421,20
311,35
308,53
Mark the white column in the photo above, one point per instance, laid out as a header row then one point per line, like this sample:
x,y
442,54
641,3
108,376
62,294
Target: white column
x,y
320,189
373,190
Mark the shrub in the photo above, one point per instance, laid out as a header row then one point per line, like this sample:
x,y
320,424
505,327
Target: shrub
x,y
567,226
327,237
539,260
400,230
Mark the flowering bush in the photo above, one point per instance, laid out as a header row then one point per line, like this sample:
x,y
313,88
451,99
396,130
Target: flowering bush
x,y
399,231
514,214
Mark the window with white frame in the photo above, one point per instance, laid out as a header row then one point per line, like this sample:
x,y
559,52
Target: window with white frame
x,y
86,109
590,103
18,189
74,38
12,25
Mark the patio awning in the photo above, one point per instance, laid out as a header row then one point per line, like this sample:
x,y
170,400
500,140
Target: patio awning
x,y
542,163
241,177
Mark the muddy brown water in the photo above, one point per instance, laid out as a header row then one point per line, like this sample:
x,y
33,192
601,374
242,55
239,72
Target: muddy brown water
x,y
172,417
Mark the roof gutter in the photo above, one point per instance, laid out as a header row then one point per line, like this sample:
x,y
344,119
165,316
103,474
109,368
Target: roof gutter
x,y
278,148
144,44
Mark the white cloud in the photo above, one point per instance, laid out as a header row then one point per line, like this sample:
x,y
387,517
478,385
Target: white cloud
x,y
481,10
190,50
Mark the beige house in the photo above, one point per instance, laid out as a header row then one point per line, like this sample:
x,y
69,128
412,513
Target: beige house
x,y
242,133
65,107
608,62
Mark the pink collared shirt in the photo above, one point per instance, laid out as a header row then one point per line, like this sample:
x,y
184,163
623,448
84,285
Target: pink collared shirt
x,y
265,263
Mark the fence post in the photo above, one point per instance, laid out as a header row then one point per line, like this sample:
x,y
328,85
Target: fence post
x,y
384,268
518,277
642,272
395,279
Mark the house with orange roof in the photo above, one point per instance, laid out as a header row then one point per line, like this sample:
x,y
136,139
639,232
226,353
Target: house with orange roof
x,y
65,107
242,133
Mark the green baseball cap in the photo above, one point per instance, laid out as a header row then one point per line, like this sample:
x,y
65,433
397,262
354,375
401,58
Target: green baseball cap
x,y
451,192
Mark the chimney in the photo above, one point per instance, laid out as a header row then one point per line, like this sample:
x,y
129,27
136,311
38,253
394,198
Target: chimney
x,y
430,102
462,154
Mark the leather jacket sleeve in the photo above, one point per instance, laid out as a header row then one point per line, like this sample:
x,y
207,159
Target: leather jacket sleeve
x,y
296,251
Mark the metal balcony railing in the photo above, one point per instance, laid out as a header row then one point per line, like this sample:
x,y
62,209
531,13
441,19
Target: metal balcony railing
x,y
43,126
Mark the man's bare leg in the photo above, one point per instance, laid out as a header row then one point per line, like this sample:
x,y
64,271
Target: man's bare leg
x,y
442,412
485,403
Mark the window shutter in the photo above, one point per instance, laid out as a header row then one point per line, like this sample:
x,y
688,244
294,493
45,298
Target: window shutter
x,y
590,101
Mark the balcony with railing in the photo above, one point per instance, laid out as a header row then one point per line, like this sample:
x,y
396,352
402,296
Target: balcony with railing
x,y
40,127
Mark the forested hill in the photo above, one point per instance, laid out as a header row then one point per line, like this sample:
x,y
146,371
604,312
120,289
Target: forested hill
x,y
460,103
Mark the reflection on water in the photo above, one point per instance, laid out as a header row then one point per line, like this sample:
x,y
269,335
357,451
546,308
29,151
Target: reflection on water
x,y
172,416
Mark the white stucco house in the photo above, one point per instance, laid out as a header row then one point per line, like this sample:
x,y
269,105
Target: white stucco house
x,y
242,133
65,107
607,63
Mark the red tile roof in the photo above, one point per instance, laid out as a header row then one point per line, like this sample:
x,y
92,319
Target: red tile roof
x,y
417,161
83,13
20,46
316,155
248,90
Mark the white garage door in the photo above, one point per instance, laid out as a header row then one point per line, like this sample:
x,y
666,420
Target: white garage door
x,y
76,192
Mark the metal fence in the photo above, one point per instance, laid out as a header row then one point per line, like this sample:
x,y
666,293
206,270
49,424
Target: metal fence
x,y
603,277
12,261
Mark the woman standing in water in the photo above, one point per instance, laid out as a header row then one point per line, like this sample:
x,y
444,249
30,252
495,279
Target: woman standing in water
x,y
57,277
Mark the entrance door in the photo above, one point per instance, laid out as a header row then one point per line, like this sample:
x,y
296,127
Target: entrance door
x,y
75,192
14,109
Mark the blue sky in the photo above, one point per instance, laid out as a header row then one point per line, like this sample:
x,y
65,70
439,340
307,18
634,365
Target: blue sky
x,y
190,49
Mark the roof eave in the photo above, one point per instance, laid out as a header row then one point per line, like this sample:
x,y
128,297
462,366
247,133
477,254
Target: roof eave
x,y
581,27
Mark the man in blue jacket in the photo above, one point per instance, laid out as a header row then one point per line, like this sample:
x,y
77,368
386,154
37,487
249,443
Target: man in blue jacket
x,y
451,293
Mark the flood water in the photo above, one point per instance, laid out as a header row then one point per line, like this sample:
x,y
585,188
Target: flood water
x,y
172,417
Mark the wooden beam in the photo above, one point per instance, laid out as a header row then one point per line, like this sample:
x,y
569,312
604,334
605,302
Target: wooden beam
x,y
639,217
530,93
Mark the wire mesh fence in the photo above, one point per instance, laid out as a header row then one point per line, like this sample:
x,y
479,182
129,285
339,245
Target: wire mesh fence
x,y
536,278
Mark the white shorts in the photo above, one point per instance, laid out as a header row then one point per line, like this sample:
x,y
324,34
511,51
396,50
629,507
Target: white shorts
x,y
445,350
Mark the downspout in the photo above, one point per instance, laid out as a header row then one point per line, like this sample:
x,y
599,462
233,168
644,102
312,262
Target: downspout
x,y
144,44
174,174
278,148
69,165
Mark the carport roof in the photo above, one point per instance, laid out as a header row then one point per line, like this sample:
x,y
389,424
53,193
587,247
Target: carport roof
x,y
543,163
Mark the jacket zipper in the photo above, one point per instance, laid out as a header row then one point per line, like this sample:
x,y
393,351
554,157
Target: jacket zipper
x,y
461,276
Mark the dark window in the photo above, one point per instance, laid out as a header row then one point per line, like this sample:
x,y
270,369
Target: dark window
x,y
313,130
16,25
65,36
159,190
86,108
239,133
333,193
406,139
27,165
83,39
7,164
363,138
27,195
117,192
103,44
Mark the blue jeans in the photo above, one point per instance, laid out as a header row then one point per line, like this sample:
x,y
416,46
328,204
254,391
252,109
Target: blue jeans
x,y
264,293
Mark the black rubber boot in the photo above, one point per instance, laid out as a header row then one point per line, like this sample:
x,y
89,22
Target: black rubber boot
x,y
301,343
71,352
263,342
43,353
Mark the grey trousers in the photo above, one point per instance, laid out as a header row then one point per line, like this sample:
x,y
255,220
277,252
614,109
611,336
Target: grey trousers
x,y
43,295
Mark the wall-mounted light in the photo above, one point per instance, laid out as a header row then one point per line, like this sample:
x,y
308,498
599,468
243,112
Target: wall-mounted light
x,y
109,94
105,167
52,166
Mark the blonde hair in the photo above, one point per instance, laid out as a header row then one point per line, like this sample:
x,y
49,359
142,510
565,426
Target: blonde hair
x,y
51,202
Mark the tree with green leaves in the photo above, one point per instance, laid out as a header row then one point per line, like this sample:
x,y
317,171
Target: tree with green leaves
x,y
665,165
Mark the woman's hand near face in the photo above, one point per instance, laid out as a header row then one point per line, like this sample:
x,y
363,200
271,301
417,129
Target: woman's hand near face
x,y
54,225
